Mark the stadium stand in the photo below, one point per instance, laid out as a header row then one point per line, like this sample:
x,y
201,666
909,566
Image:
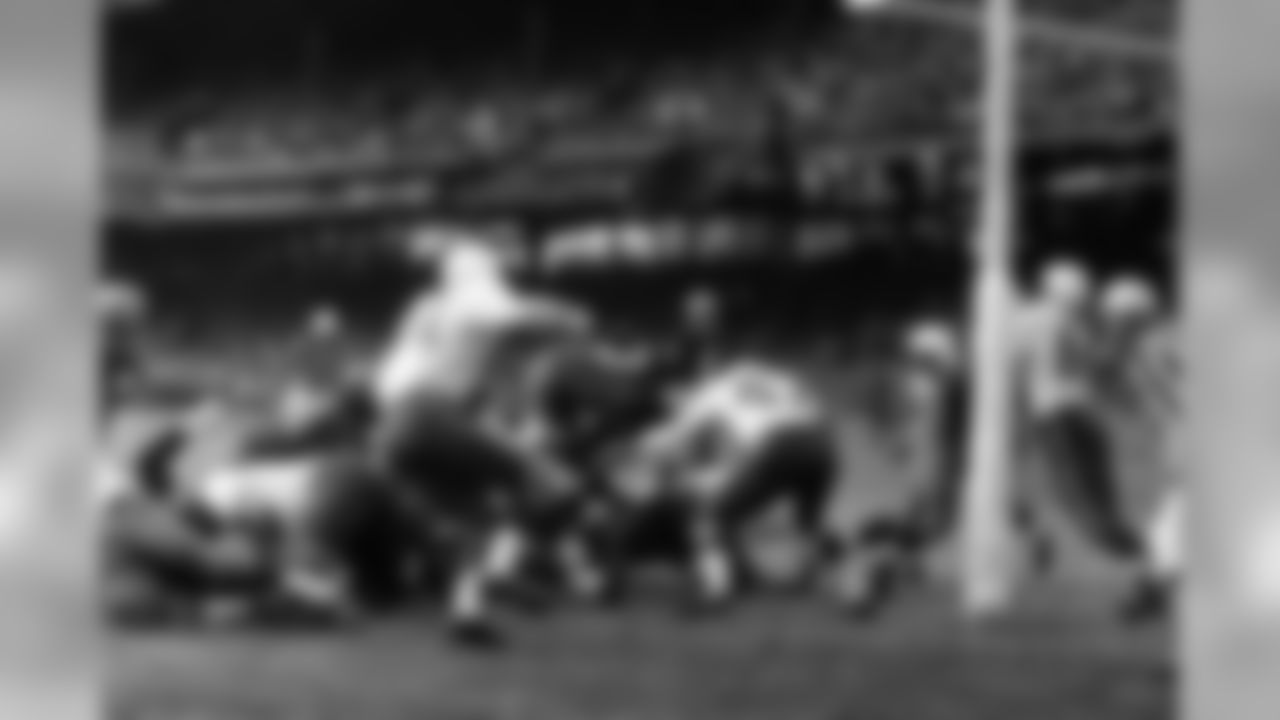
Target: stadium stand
x,y
852,86
1144,18
286,155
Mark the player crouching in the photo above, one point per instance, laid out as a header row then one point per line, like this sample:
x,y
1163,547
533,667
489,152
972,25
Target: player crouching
x,y
739,441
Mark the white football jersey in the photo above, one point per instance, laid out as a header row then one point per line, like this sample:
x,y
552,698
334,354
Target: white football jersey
x,y
441,348
276,489
1051,360
450,344
746,404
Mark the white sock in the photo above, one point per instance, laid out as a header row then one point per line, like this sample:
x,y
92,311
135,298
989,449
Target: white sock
x,y
503,555
715,573
584,576
468,602
1164,541
315,588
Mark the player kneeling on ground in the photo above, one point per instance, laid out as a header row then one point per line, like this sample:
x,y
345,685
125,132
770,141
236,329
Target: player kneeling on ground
x,y
164,558
285,533
893,551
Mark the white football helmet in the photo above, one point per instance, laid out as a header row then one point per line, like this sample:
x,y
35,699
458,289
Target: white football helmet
x,y
470,266
934,341
1128,297
1065,282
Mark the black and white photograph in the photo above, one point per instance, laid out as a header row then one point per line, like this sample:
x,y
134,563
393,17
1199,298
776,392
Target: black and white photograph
x,y
639,360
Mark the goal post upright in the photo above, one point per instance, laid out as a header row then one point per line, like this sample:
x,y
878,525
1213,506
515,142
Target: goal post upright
x,y
986,557
985,545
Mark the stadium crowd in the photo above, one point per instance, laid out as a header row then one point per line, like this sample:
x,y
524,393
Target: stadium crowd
x,y
878,80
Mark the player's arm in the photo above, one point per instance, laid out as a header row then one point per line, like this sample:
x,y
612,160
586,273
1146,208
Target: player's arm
x,y
420,318
691,418
556,316
539,321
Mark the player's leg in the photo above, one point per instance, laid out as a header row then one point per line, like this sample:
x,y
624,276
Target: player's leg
x,y
1084,482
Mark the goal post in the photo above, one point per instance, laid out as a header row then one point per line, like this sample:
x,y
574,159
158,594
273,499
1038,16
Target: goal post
x,y
986,559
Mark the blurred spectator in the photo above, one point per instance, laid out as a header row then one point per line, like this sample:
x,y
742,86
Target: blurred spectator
x,y
882,79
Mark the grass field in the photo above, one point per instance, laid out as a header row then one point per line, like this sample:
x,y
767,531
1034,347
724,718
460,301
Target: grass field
x,y
774,660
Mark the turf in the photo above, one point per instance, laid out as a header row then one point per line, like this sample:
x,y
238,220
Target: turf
x,y
791,660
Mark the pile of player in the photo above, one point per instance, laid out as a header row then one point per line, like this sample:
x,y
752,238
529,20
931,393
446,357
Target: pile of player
x,y
505,446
